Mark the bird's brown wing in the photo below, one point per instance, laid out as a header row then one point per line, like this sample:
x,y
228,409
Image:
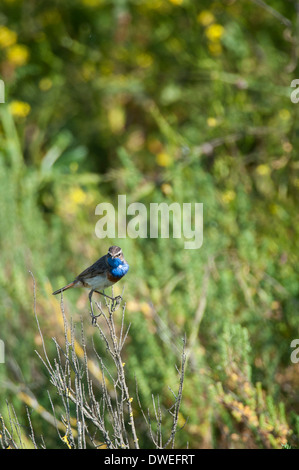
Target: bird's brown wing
x,y
96,269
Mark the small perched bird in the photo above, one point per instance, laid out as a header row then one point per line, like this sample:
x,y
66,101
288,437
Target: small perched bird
x,y
105,272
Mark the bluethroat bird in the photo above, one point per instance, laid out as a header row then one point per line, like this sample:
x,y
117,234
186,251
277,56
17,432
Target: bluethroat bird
x,y
105,272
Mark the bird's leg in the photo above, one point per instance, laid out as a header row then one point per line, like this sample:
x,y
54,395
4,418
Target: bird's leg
x,y
105,295
93,316
115,300
118,297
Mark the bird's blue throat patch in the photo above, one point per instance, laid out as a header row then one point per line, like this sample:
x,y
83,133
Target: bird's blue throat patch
x,y
119,269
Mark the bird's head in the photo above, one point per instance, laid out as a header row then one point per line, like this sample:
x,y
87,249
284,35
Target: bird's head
x,y
115,256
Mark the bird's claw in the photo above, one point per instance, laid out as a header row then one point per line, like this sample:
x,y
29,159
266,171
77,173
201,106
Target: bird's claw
x,y
94,318
116,302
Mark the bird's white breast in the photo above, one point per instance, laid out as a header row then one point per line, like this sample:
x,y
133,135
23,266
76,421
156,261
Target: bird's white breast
x,y
98,282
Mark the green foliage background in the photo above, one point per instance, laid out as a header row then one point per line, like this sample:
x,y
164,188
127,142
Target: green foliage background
x,y
164,101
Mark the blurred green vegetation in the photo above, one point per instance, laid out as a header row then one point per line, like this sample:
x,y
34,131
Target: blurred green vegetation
x,y
164,101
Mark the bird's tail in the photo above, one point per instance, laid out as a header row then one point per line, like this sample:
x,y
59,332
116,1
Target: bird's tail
x,y
58,291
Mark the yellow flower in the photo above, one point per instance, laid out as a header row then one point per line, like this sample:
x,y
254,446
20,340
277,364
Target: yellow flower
x,y
7,37
248,412
19,108
284,114
65,439
205,18
77,196
144,60
117,119
234,377
153,4
163,159
253,420
214,32
176,2
18,54
228,196
263,170
154,145
74,200
166,189
45,84
274,208
212,122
